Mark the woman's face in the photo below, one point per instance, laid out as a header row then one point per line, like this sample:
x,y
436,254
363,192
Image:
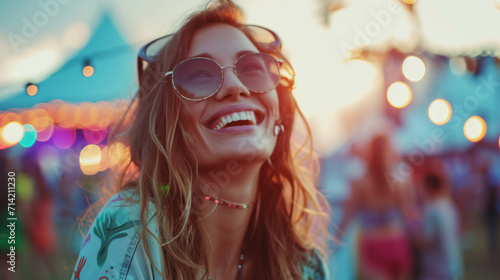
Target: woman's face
x,y
215,140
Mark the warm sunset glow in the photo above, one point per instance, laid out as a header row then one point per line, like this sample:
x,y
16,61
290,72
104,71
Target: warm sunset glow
x,y
475,129
90,159
413,68
440,111
31,89
399,95
88,71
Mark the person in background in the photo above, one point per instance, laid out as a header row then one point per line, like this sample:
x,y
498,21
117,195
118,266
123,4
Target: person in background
x,y
439,239
382,202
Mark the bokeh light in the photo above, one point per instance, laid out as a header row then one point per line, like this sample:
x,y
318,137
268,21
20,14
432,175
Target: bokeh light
x,y
399,95
10,117
440,111
88,71
413,68
94,136
29,137
63,138
106,114
90,159
86,114
12,133
39,119
45,134
65,115
409,1
475,128
31,89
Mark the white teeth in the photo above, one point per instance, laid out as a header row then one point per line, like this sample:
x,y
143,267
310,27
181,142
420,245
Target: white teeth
x,y
246,115
243,116
236,117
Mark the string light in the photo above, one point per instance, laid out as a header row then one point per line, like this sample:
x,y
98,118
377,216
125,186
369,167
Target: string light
x,y
399,95
31,89
87,70
475,129
413,68
439,111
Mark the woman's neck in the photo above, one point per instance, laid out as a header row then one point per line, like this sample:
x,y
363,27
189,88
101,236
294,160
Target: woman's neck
x,y
226,227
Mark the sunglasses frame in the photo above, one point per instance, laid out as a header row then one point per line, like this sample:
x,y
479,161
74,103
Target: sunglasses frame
x,y
144,56
278,62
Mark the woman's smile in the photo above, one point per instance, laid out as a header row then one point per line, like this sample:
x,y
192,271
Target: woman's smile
x,y
236,118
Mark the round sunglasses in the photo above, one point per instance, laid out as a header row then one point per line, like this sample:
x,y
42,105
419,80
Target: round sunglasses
x,y
199,78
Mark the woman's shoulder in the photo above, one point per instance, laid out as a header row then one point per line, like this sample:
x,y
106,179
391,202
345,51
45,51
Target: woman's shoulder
x,y
315,267
113,240
125,206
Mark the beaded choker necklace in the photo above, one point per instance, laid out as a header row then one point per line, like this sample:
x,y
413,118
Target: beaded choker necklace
x,y
228,203
240,265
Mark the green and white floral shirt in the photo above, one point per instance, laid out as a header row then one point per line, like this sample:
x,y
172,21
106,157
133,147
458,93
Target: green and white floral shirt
x,y
113,249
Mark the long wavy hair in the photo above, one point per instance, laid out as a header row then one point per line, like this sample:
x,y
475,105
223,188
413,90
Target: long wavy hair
x,y
291,215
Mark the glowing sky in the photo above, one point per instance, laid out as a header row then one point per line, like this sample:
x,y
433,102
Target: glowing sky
x,y
328,85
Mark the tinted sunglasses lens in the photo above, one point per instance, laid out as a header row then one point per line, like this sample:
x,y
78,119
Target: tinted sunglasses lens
x,y
258,72
197,78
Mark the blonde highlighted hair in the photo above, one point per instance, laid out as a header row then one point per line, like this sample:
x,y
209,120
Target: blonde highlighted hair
x,y
290,220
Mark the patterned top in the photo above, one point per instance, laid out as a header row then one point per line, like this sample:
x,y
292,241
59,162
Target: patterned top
x,y
113,249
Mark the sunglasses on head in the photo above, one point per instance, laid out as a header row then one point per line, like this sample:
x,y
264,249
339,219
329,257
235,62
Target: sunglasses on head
x,y
199,78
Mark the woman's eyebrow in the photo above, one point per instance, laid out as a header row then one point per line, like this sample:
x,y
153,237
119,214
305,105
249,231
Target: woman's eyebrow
x,y
207,55
238,54
241,53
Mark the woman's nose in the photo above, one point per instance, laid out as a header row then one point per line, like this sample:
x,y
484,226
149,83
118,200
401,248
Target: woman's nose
x,y
231,85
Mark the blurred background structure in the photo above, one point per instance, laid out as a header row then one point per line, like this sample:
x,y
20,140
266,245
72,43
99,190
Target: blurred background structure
x,y
425,73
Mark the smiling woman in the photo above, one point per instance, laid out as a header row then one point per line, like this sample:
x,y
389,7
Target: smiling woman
x,y
221,190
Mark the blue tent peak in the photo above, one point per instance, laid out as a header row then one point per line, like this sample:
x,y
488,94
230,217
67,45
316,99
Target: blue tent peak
x,y
113,60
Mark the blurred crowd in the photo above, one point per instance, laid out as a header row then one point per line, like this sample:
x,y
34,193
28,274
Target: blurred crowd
x,y
416,215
